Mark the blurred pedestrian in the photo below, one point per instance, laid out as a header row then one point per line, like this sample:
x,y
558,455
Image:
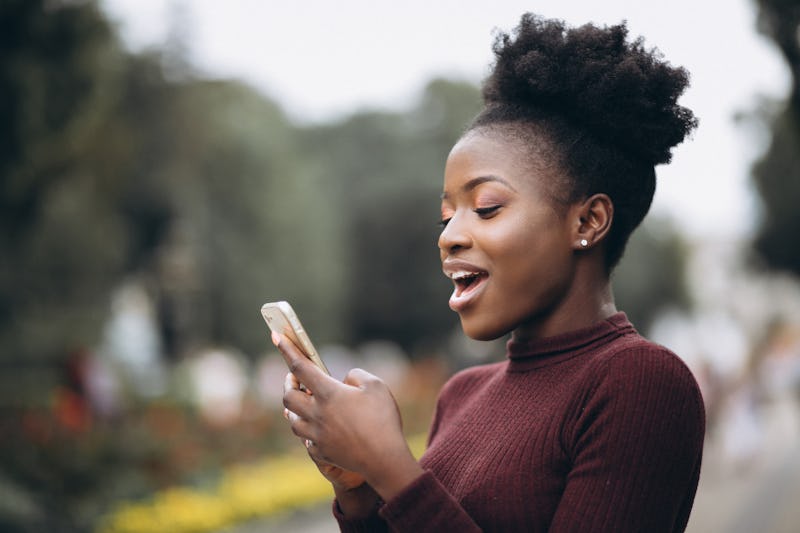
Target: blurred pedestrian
x,y
71,406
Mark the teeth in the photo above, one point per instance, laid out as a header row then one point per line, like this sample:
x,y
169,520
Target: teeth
x,y
462,275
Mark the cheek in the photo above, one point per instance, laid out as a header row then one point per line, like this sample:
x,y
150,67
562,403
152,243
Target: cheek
x,y
531,244
533,263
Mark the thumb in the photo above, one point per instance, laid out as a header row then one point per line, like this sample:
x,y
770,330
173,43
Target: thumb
x,y
358,377
365,381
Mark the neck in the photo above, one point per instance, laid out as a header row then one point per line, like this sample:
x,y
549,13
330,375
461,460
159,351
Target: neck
x,y
588,301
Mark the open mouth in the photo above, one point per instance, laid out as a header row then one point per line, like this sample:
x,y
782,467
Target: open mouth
x,y
467,281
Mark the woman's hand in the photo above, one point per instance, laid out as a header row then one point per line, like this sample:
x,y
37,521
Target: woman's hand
x,y
352,425
355,497
340,478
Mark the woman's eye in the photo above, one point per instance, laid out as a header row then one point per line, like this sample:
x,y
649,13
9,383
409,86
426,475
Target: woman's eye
x,y
444,222
485,212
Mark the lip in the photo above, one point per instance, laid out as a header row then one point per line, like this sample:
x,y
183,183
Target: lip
x,y
462,296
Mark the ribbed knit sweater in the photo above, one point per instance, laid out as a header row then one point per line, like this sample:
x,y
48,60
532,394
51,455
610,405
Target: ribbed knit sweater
x,y
597,430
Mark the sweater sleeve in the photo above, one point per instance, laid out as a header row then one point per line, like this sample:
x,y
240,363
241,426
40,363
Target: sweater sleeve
x,y
370,524
636,447
423,506
426,505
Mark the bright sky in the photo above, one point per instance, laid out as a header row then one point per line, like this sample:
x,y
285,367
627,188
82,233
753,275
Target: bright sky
x,y
322,59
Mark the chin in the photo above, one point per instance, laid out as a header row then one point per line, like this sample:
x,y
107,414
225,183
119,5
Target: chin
x,y
481,331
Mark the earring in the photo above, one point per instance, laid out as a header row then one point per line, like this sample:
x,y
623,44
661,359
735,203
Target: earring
x,y
584,243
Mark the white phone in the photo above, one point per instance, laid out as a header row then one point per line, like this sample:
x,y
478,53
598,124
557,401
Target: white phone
x,y
281,318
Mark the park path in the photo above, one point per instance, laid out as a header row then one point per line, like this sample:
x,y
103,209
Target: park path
x,y
762,495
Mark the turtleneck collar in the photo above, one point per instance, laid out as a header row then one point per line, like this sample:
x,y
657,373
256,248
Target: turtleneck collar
x,y
535,353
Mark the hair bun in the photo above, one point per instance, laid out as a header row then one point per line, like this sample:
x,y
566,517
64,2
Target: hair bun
x,y
616,90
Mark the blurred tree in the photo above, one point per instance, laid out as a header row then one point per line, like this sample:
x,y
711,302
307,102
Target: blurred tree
x,y
385,171
106,159
63,240
114,163
76,215
252,218
651,277
777,173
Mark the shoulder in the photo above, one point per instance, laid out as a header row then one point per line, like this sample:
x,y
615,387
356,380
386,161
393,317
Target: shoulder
x,y
635,356
639,393
643,373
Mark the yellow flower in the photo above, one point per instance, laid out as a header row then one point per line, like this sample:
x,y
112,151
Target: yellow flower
x,y
273,485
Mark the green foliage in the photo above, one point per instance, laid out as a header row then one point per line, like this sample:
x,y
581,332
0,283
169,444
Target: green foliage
x,y
777,176
386,172
56,479
651,277
206,191
259,226
777,173
62,239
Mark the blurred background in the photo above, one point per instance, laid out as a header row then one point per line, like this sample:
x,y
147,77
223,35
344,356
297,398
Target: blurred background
x,y
166,167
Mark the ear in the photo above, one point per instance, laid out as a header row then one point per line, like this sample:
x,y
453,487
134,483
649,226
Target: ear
x,y
593,219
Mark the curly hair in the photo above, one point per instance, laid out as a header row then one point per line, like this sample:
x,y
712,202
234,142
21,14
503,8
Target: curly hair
x,y
605,108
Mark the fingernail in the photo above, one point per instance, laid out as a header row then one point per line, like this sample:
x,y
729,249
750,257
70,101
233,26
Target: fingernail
x,y
276,339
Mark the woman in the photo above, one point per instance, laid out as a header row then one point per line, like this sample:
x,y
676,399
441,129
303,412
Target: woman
x,y
586,426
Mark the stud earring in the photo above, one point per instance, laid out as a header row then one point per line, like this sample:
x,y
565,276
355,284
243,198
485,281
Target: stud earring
x,y
584,243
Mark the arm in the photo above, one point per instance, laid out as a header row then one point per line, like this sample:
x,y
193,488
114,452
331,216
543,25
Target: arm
x,y
636,448
354,498
426,505
356,510
355,426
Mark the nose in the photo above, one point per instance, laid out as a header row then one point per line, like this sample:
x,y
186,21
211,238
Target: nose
x,y
454,236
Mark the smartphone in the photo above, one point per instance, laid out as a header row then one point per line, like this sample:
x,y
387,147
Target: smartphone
x,y
281,318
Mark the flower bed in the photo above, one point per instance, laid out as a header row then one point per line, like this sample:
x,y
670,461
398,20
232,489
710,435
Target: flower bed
x,y
271,486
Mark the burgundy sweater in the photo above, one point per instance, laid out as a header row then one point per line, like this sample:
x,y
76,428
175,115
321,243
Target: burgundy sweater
x,y
597,430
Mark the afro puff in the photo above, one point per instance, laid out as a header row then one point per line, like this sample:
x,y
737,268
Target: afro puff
x,y
608,107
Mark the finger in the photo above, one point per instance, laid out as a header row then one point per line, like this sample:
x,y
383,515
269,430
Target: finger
x,y
299,403
292,417
290,383
301,366
301,427
295,400
362,379
314,452
358,377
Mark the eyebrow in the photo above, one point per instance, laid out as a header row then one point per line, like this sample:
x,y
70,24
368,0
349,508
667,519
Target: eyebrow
x,y
474,182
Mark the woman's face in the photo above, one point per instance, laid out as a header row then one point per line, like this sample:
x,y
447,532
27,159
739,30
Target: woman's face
x,y
505,246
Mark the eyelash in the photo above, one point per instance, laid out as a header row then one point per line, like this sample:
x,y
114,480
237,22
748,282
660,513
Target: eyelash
x,y
482,212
